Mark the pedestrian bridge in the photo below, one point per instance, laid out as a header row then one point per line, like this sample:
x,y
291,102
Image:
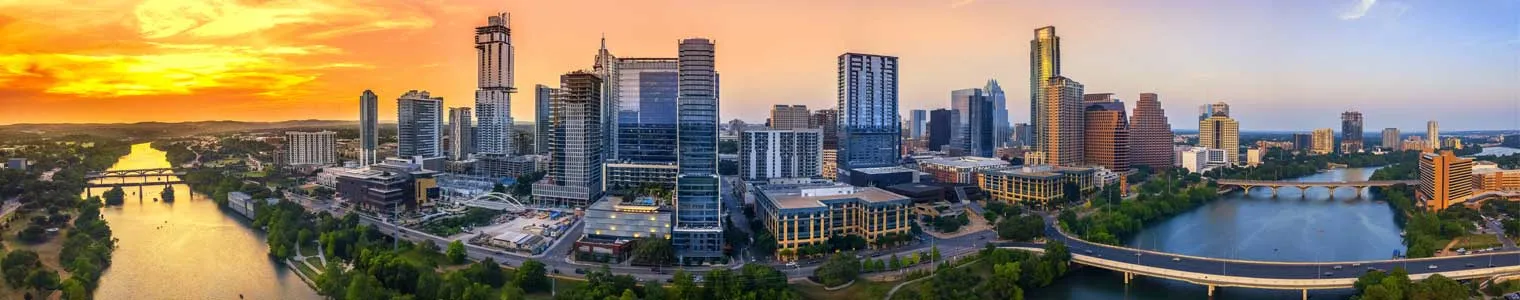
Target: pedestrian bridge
x,y
1247,185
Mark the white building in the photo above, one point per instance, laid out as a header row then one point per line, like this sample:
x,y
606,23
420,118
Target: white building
x,y
419,124
461,137
765,154
493,98
1199,159
311,148
1253,156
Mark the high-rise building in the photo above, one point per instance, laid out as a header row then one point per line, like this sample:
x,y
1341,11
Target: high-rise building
x,y
941,124
419,125
646,110
768,154
543,97
790,117
493,96
1220,131
369,131
1303,141
1106,132
828,120
574,175
1150,134
869,135
1044,63
1432,135
1324,141
310,148
606,66
1391,139
1058,131
976,116
1002,131
918,122
1351,132
1023,134
1445,179
699,225
460,140
1209,110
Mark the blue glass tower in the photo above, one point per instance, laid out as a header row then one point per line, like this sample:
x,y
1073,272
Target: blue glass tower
x,y
698,230
869,135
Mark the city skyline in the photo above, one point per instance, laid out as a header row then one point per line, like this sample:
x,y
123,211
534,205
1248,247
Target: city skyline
x,y
278,63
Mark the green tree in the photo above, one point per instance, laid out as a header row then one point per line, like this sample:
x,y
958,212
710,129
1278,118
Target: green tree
x,y
1437,287
532,277
682,286
841,268
364,287
73,290
628,295
653,251
653,290
934,254
1005,281
42,279
456,253
1072,192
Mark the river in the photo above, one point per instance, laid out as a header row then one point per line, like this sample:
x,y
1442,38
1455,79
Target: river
x,y
1253,226
188,249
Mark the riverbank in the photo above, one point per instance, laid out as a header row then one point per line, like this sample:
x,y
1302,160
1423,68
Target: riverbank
x,y
58,244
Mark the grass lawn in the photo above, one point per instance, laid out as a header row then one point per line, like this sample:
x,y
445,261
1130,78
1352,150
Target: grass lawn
x,y
862,289
47,251
305,270
309,249
1478,241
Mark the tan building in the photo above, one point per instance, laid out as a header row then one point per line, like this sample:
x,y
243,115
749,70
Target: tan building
x,y
1059,125
959,169
807,214
1037,185
1106,132
1445,179
830,168
1495,179
790,117
1219,131
1415,143
1254,156
1452,143
1324,141
1150,134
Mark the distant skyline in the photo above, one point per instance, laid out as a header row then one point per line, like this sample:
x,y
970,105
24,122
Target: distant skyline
x,y
1282,65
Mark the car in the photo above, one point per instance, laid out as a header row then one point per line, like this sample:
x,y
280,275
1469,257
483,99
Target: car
x,y
1327,274
1137,254
1089,251
1356,264
1176,259
792,264
1337,267
1432,267
1470,265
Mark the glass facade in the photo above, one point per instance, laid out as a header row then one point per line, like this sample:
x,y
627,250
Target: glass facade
x,y
698,232
646,114
869,133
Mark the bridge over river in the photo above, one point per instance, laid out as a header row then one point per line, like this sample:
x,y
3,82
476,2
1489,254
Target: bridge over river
x,y
1246,185
1304,276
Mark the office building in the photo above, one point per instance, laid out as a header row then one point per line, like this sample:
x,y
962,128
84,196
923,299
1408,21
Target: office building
x,y
941,127
1351,132
974,132
1445,180
1002,131
388,187
1324,141
606,67
1416,143
869,135
574,176
1038,186
1453,143
1254,156
629,217
830,168
311,148
1496,180
461,143
1150,134
1200,159
918,122
419,125
699,226
959,170
809,214
369,131
1044,63
1303,142
1391,139
1023,134
1106,132
543,96
644,109
1219,131
1432,135
494,88
622,176
497,166
767,154
790,117
1058,129
828,121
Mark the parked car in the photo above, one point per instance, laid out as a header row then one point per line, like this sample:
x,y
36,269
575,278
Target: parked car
x,y
1432,267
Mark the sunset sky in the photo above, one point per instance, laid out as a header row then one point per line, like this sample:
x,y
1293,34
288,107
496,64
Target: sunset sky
x,y
1282,65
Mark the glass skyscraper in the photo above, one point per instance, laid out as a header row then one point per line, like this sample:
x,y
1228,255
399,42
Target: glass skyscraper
x,y
1044,63
419,125
493,98
369,133
869,134
698,232
646,113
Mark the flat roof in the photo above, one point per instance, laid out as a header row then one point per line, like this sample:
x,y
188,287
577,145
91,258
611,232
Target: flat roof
x,y
1040,171
915,187
966,162
794,196
882,170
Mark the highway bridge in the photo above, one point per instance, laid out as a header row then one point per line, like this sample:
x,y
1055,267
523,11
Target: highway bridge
x,y
156,176
1246,185
1304,276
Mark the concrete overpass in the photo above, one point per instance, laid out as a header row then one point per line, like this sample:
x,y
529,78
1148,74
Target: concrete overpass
x,y
1303,276
1246,185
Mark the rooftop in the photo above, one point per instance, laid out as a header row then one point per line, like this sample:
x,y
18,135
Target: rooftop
x,y
1040,171
966,162
883,170
812,195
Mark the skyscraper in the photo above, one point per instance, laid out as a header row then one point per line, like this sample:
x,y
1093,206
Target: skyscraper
x,y
574,175
1303,141
976,115
918,119
419,125
698,230
768,154
493,98
1351,131
1445,180
1058,133
828,120
869,135
1150,134
1324,141
1220,131
1023,134
369,133
789,117
310,148
1391,139
543,97
606,66
460,140
646,110
941,124
1044,63
1106,134
1002,131
1432,135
